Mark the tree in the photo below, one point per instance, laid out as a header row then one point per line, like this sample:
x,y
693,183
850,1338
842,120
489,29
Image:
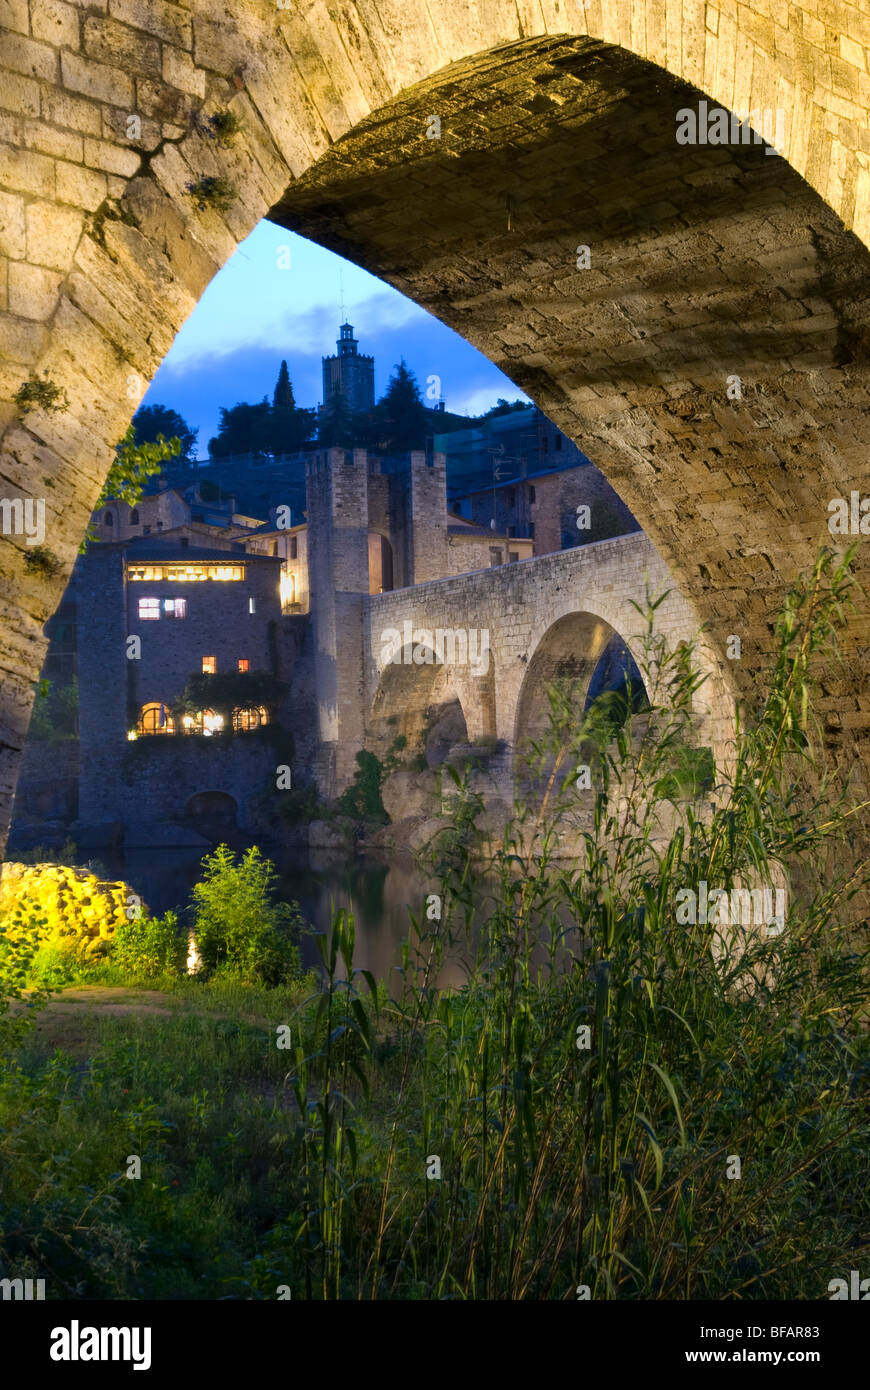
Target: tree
x,y
151,422
290,427
134,464
283,398
401,413
243,429
337,427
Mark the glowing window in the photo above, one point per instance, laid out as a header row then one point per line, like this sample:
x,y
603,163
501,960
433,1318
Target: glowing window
x,y
149,608
252,605
244,664
249,718
185,574
155,718
209,665
175,607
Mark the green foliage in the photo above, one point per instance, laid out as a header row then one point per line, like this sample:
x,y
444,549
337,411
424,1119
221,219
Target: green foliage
x,y
40,560
155,424
238,926
40,393
134,464
362,799
20,929
225,691
224,126
212,191
146,948
264,429
55,714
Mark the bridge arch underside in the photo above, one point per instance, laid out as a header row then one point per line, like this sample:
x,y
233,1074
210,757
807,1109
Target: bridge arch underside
x,y
706,262
578,658
430,703
712,360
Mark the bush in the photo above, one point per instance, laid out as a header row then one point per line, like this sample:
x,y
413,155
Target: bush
x,y
148,947
239,927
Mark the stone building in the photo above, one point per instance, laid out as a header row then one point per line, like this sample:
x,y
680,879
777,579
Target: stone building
x,y
348,376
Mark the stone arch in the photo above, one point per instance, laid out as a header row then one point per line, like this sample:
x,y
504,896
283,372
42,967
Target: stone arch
x,y
109,250
213,808
407,695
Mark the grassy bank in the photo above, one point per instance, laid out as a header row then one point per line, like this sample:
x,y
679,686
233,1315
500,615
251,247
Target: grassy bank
x,y
627,1100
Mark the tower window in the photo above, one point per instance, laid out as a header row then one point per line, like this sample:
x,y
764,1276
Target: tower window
x,y
252,605
531,494
209,665
294,548
134,517
244,664
108,519
558,441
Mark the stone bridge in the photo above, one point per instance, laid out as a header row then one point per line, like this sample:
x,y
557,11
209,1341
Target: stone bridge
x,y
695,315
541,619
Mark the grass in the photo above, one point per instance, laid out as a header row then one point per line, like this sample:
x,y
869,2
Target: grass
x,y
619,1103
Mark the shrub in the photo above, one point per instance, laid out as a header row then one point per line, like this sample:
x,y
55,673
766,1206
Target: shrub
x,y
148,947
217,193
40,394
238,926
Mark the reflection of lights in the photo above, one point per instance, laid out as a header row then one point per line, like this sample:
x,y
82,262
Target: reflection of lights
x,y
194,962
131,735
211,722
188,721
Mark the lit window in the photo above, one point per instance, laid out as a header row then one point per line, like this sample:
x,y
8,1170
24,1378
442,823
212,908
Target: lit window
x,y
177,574
250,718
175,607
252,605
155,718
244,664
149,608
209,665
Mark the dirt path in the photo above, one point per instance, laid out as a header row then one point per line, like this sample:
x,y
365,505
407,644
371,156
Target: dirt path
x,y
114,1000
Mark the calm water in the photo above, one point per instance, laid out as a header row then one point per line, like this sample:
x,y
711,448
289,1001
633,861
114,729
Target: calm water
x,y
379,895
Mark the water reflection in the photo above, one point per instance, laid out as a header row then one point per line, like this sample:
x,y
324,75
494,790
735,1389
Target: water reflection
x,y
379,895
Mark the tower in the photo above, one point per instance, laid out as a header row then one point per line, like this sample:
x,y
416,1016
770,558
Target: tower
x,y
349,373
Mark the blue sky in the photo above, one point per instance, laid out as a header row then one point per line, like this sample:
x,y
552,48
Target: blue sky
x,y
254,313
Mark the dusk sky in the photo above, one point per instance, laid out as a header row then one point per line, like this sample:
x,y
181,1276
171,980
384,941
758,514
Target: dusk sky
x,y
254,313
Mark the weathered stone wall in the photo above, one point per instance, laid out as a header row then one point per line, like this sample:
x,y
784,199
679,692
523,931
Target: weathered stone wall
x,y
518,607
104,252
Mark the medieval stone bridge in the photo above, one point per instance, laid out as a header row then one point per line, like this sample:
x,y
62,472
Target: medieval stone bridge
x,y
556,130
507,632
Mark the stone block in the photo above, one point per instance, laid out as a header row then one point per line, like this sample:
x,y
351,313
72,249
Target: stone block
x,y
168,22
96,80
26,172
73,112
52,234
19,94
120,46
12,234
179,71
112,158
32,290
29,58
55,22
84,187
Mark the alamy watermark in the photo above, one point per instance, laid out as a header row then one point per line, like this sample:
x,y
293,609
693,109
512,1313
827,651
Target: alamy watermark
x,y
23,516
713,125
453,646
742,907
